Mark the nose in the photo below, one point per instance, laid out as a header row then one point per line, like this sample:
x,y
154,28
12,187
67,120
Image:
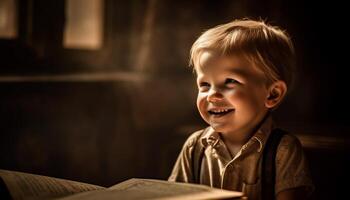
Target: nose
x,y
214,96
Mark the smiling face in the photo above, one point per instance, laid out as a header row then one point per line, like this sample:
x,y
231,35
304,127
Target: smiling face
x,y
231,94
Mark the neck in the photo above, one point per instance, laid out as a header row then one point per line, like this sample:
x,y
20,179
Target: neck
x,y
242,137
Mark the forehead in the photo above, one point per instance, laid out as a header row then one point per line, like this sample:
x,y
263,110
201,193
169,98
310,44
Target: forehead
x,y
211,63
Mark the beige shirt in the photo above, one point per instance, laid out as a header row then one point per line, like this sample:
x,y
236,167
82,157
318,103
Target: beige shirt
x,y
243,171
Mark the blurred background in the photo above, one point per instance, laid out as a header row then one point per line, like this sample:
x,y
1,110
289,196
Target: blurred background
x,y
100,91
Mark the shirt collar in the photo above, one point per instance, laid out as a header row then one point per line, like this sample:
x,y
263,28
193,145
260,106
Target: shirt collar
x,y
260,137
258,140
211,137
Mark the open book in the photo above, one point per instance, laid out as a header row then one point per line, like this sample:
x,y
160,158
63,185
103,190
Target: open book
x,y
18,185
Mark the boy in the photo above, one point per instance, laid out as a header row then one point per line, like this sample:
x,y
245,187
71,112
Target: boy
x,y
243,69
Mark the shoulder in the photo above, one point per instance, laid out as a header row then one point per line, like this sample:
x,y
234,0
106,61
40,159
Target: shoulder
x,y
191,143
283,141
290,157
194,138
289,142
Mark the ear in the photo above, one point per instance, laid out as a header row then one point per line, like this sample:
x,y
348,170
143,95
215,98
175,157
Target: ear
x,y
276,93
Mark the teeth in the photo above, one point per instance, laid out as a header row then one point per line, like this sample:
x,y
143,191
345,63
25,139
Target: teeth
x,y
220,110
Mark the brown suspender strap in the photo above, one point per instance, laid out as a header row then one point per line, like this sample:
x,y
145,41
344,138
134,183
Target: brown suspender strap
x,y
268,174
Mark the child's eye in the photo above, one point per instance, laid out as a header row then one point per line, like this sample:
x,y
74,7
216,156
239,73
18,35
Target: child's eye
x,y
203,86
230,81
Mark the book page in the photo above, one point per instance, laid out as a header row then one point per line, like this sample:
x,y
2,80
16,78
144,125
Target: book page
x,y
137,189
30,186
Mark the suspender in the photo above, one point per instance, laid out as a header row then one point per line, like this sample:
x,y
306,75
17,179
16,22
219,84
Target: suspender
x,y
268,174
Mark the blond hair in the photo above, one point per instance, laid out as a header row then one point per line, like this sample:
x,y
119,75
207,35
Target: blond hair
x,y
267,47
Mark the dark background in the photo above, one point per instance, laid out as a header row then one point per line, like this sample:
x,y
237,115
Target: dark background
x,y
132,120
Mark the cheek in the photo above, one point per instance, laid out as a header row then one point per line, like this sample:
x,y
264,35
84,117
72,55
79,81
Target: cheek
x,y
243,99
201,101
235,96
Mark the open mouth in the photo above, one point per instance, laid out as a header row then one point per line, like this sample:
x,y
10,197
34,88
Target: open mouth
x,y
219,112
